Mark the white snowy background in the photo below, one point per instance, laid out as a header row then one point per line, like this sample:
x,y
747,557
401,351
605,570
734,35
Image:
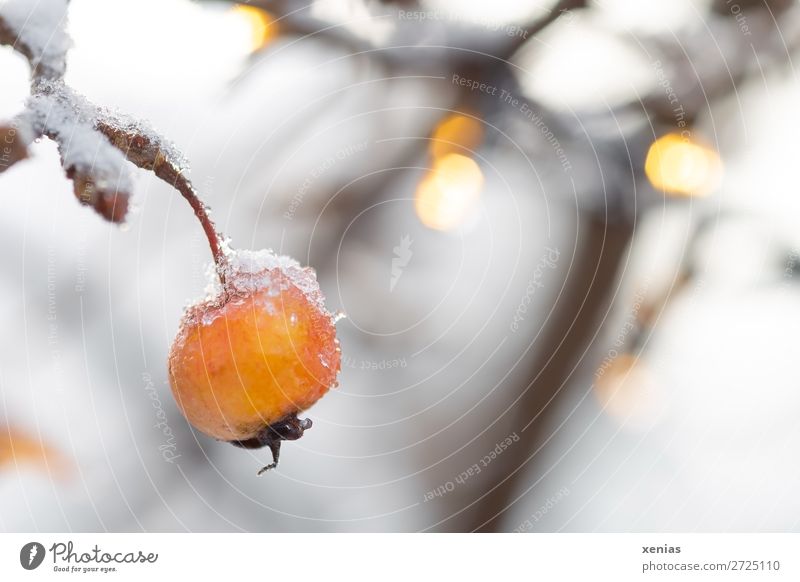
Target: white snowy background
x,y
89,309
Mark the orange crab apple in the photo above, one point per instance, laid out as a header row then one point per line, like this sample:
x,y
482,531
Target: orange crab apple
x,y
261,348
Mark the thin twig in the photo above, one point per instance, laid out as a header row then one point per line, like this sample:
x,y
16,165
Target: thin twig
x,y
148,152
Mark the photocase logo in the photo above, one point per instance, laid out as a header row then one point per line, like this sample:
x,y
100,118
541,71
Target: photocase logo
x,y
31,555
402,256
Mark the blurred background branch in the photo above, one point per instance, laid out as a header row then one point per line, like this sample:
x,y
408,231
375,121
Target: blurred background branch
x,y
454,104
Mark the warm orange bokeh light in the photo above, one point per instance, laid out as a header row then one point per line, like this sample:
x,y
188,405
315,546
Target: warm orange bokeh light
x,y
19,449
629,392
263,26
457,133
449,194
682,167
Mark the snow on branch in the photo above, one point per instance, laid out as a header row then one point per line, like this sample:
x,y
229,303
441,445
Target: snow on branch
x,y
36,29
98,170
95,144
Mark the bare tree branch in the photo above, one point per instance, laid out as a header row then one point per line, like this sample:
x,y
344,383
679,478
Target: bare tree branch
x,y
537,26
46,53
95,144
13,146
151,152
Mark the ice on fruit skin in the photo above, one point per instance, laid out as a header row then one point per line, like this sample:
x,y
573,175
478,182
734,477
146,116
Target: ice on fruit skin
x,y
248,271
255,352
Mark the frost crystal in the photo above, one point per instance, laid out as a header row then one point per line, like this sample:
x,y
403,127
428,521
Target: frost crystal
x,y
249,271
59,112
134,127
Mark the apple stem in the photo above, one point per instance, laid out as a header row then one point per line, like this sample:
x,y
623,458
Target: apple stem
x,y
172,175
